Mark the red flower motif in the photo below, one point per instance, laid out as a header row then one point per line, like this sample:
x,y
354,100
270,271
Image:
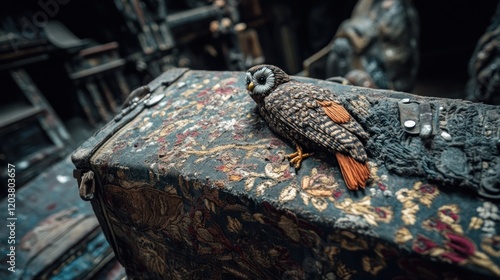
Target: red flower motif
x,y
381,186
337,194
423,245
450,213
461,248
380,212
436,224
427,188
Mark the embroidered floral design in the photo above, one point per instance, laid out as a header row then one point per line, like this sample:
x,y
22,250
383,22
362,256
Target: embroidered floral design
x,y
373,265
403,235
491,245
423,193
288,193
475,223
447,219
350,241
488,211
320,185
243,209
489,214
290,228
363,208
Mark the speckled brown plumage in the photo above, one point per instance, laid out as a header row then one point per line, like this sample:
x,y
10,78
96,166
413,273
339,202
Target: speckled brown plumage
x,y
310,117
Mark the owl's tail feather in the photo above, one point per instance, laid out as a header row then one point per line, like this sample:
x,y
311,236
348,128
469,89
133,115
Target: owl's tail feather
x,y
355,173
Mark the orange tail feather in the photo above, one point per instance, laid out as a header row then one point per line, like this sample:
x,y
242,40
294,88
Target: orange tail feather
x,y
355,173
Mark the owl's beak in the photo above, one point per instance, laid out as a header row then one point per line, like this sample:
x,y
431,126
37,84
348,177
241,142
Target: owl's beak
x,y
250,86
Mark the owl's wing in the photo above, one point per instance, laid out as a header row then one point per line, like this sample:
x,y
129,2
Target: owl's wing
x,y
337,112
295,106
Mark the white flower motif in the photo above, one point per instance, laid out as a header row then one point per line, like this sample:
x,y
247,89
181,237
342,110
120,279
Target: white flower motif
x,y
227,125
488,211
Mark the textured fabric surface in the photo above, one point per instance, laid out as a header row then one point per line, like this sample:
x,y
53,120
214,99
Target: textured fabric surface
x,y
197,187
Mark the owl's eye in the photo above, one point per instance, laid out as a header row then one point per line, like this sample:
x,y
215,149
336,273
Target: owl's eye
x,y
261,80
248,81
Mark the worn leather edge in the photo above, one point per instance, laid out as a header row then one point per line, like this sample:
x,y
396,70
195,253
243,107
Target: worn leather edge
x,y
81,156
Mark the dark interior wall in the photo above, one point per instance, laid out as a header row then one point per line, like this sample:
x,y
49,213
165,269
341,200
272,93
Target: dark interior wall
x,y
449,33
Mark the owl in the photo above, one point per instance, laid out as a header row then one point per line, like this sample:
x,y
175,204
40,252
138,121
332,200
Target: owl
x,y
311,118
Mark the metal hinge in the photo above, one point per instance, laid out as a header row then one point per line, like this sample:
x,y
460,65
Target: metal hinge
x,y
416,118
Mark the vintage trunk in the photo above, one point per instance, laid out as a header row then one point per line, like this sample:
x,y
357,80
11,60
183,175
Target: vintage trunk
x,y
188,182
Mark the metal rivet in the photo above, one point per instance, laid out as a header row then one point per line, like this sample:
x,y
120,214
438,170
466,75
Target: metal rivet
x,y
126,110
410,124
405,100
118,117
446,136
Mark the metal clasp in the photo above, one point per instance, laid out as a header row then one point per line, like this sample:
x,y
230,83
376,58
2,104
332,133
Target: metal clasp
x,y
86,183
416,118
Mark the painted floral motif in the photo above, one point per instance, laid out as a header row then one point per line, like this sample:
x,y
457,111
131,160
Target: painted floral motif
x,y
199,181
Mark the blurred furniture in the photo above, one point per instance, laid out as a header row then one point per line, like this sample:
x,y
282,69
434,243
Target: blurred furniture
x,y
99,81
381,39
32,134
484,70
57,234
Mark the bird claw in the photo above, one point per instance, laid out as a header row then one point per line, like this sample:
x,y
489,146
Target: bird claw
x,y
297,157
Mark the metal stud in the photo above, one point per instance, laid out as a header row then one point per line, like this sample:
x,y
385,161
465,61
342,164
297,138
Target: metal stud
x,y
446,136
410,124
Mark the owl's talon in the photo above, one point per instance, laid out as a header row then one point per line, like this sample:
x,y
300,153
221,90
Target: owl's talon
x,y
297,157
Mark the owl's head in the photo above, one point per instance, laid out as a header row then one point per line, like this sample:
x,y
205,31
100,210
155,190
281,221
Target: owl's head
x,y
261,80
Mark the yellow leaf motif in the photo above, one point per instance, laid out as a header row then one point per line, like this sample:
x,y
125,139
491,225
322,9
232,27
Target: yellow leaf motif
x,y
234,225
274,171
490,245
319,204
350,241
404,195
290,228
447,213
373,265
425,193
331,252
249,183
343,272
403,235
363,208
319,185
259,218
305,197
262,187
408,213
288,193
475,223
